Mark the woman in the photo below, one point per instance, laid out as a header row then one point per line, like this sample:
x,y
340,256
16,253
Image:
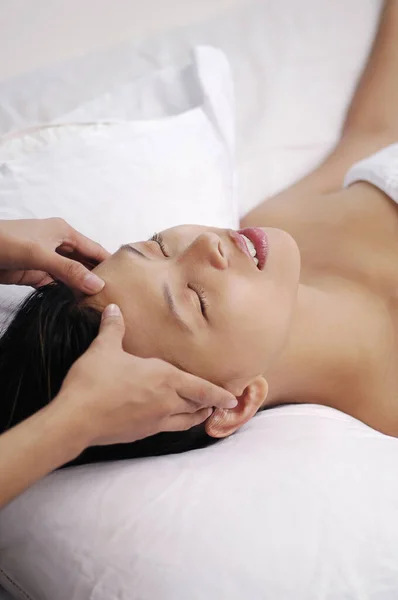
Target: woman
x,y
317,322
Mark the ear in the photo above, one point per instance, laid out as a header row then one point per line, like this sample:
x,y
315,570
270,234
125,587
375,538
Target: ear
x,y
223,423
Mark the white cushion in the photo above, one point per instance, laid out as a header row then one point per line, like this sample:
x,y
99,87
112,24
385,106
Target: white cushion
x,y
118,180
299,505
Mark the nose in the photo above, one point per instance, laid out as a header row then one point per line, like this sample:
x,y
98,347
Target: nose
x,y
208,247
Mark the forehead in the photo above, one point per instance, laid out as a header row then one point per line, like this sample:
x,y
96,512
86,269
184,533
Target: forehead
x,y
136,285
188,231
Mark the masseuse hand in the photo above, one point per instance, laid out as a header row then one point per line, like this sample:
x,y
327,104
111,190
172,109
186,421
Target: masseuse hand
x,y
121,398
36,251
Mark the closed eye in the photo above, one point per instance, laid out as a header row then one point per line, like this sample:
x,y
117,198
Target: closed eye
x,y
158,238
204,304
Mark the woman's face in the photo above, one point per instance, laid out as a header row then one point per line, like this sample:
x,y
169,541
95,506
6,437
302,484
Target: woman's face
x,y
196,298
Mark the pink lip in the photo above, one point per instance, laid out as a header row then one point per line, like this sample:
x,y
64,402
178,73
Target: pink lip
x,y
240,242
259,239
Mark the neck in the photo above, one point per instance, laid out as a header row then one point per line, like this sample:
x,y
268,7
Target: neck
x,y
322,356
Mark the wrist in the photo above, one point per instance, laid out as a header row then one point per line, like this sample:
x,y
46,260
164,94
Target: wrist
x,y
68,426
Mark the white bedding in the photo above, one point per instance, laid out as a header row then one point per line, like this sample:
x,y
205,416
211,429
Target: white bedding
x,y
300,505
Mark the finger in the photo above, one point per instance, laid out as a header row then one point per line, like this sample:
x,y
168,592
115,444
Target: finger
x,y
37,281
72,273
70,253
19,277
184,422
112,328
203,393
86,247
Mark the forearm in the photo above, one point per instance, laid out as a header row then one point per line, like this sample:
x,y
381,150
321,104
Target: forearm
x,y
371,122
374,107
372,118
35,447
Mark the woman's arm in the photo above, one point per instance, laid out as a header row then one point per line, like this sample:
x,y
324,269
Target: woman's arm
x,y
37,446
371,122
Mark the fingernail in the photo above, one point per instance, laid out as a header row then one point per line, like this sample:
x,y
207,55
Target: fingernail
x,y
232,403
93,283
112,310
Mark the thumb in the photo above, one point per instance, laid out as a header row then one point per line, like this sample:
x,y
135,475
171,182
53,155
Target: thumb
x,y
112,328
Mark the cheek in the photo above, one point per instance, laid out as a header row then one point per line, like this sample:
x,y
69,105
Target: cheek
x,y
215,357
243,309
277,315
254,322
236,342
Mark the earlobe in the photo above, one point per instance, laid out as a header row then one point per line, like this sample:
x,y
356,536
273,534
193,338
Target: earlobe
x,y
223,423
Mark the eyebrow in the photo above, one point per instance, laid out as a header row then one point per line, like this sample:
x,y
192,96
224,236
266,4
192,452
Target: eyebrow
x,y
168,296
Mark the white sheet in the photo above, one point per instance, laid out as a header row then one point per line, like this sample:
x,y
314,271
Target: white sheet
x,y
301,504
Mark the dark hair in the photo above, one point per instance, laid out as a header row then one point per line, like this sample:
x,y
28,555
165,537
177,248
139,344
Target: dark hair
x,y
48,333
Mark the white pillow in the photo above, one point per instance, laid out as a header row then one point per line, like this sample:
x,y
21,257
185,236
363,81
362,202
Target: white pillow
x,y
118,180
299,505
